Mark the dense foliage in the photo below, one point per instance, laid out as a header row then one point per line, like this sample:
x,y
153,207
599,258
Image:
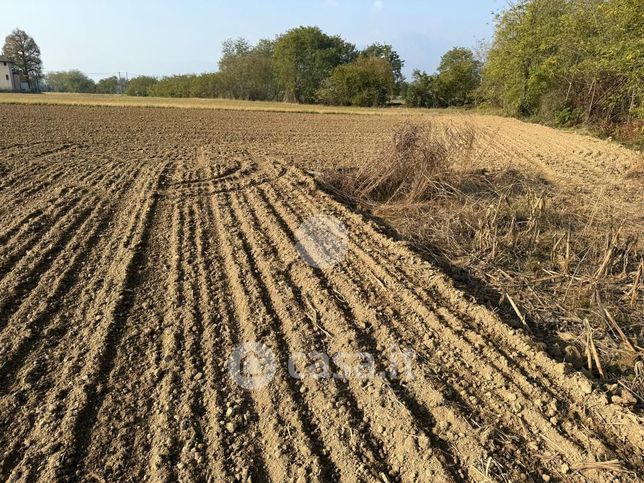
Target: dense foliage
x,y
387,52
304,57
246,71
301,65
568,61
366,82
70,81
455,83
109,85
422,90
140,86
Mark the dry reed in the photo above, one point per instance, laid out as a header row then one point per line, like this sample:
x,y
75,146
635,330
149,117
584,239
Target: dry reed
x,y
570,274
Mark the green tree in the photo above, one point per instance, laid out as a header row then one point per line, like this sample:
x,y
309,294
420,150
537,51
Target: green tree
x,y
70,81
517,72
422,90
109,85
366,82
568,61
603,67
459,75
140,86
207,85
304,57
247,71
386,52
25,54
175,86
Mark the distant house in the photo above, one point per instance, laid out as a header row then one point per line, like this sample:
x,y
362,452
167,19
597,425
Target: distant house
x,y
9,76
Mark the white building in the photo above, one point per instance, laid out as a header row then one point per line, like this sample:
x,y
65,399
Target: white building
x,y
9,77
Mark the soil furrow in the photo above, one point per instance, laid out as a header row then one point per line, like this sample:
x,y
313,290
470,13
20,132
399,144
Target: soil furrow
x,y
499,341
217,451
22,239
378,392
79,398
275,464
510,394
303,326
288,341
142,251
190,410
50,286
60,328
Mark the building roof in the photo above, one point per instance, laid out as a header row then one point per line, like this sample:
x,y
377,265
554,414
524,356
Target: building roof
x,y
4,58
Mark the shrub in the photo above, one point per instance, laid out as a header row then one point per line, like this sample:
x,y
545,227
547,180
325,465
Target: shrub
x,y
109,85
569,268
366,82
70,81
412,167
140,86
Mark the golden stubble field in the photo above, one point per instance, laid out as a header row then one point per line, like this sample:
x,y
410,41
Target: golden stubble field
x,y
140,246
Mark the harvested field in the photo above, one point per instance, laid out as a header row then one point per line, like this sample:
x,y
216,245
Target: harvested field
x,y
139,247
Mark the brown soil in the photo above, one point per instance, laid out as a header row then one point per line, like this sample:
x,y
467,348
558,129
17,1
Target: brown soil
x,y
139,247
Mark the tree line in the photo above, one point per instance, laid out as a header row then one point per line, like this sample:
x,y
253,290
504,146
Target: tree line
x,y
302,65
568,62
307,65
564,62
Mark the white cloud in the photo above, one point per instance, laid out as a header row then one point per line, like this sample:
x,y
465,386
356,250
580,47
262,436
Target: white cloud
x,y
378,5
330,3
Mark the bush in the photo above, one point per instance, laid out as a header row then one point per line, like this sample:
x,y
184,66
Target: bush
x,y
70,81
110,85
173,86
207,85
411,168
422,90
366,82
140,86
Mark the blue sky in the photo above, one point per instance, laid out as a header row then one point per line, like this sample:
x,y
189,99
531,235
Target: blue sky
x,y
173,37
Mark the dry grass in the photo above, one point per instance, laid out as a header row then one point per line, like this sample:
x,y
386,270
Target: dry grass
x,y
567,271
415,167
61,98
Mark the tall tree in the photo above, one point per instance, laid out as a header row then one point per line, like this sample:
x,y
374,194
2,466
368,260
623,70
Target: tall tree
x,y
568,61
527,33
459,75
247,70
25,54
304,57
387,52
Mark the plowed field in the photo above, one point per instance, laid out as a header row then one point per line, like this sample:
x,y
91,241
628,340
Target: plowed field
x,y
140,247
